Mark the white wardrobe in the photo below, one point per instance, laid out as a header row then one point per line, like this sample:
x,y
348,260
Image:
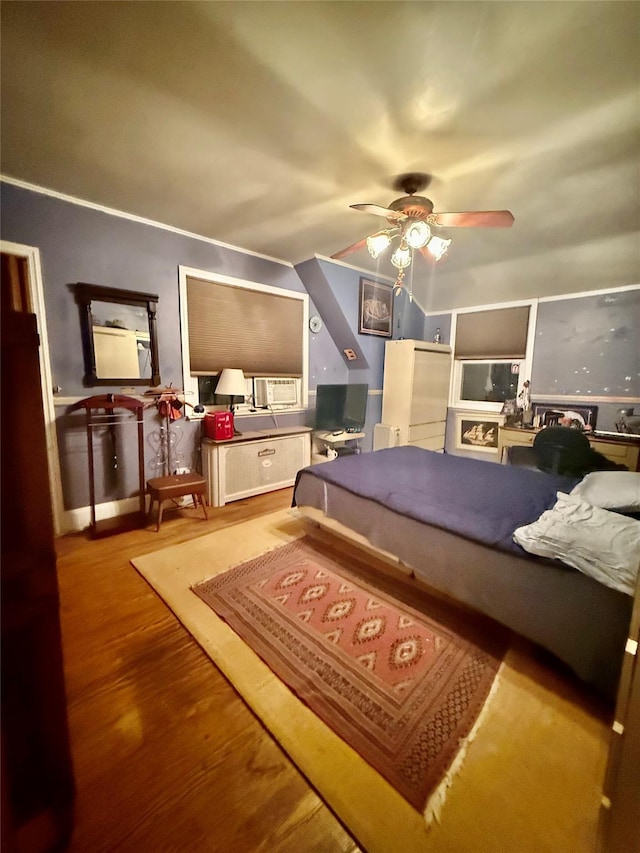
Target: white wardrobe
x,y
415,394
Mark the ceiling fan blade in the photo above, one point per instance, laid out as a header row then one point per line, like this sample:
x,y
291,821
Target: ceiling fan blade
x,y
353,248
476,219
380,211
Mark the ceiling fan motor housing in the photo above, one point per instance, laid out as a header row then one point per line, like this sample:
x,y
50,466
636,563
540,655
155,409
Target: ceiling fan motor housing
x,y
416,206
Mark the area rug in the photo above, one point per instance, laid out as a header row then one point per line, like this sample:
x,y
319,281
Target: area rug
x,y
403,690
531,777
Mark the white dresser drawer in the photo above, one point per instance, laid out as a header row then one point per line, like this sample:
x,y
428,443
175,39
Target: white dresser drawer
x,y
435,443
426,431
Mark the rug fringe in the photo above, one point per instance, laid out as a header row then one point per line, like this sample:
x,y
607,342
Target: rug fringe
x,y
433,809
275,547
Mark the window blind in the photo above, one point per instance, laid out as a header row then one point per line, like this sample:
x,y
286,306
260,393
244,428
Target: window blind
x,y
498,333
258,332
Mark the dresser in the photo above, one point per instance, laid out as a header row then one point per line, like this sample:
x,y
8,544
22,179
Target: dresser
x,y
415,391
254,462
623,451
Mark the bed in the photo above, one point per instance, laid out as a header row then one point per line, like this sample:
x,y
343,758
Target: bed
x,y
449,521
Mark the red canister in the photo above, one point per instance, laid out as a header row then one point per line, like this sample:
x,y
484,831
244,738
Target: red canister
x,y
218,425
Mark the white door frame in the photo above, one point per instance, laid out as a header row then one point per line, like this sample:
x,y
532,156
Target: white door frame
x,y
35,296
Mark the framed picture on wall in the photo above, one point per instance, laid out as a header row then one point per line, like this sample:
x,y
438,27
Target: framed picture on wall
x,y
376,308
477,431
572,414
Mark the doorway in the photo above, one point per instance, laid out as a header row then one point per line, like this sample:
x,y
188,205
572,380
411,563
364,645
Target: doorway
x,y
22,291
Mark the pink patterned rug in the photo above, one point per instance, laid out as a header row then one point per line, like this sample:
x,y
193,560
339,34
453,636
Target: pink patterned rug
x,y
401,689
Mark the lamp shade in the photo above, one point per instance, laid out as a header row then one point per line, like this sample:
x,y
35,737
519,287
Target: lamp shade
x,y
401,258
437,246
417,234
377,243
231,383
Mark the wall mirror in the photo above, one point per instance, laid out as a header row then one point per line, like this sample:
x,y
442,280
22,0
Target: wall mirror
x,y
119,335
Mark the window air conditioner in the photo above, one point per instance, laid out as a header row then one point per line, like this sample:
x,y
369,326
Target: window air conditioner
x,y
276,392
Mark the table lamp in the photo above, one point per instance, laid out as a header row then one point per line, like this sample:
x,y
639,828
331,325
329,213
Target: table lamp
x,y
232,384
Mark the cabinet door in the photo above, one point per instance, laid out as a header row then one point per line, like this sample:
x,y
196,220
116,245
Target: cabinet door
x,y
618,452
430,390
397,385
37,775
260,466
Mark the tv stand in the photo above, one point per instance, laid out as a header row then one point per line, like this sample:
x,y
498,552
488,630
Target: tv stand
x,y
324,441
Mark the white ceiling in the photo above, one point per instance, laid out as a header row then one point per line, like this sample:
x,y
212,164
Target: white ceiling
x,y
259,123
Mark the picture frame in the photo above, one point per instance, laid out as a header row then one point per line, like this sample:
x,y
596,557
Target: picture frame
x,y
548,414
478,431
376,309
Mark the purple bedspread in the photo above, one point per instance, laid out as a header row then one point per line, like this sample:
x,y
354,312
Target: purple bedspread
x,y
483,501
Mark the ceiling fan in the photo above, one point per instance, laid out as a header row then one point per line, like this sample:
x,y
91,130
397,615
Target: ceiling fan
x,y
412,217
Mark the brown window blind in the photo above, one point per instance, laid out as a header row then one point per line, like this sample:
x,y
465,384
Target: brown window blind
x,y
258,332
499,333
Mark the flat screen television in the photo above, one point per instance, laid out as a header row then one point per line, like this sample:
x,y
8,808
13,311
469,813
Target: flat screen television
x,y
341,407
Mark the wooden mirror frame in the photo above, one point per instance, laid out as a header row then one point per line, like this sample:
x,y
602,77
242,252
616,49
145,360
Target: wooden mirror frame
x,y
88,293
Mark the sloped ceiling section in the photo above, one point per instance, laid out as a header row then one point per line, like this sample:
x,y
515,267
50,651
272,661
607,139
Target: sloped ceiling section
x,y
332,312
258,124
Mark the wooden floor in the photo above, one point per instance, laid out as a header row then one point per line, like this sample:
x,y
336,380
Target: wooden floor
x,y
167,757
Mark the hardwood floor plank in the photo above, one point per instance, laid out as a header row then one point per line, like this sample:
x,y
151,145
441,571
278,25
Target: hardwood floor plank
x,y
167,757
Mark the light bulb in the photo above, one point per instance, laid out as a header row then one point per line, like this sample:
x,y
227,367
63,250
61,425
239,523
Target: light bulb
x,y
377,243
437,247
417,234
401,258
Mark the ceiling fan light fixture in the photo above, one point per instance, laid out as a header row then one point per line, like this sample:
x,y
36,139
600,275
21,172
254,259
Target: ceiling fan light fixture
x,y
417,234
412,218
437,247
401,258
377,243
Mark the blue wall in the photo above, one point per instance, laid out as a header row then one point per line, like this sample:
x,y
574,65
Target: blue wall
x,y
80,244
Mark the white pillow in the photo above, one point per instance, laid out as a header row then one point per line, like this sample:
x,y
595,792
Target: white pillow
x,y
610,490
599,543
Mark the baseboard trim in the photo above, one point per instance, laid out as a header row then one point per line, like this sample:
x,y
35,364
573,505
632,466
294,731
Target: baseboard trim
x,y
78,519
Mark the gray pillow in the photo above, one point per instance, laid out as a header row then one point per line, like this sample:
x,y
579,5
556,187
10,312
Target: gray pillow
x,y
610,490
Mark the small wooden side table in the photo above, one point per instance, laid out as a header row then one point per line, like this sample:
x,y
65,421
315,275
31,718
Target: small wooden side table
x,y
174,486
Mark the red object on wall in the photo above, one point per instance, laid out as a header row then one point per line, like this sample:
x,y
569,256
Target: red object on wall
x,y
219,425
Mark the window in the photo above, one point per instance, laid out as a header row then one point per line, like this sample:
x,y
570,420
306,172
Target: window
x,y
491,356
228,322
488,381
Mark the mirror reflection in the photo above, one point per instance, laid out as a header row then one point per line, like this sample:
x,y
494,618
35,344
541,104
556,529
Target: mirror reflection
x,y
119,335
121,340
